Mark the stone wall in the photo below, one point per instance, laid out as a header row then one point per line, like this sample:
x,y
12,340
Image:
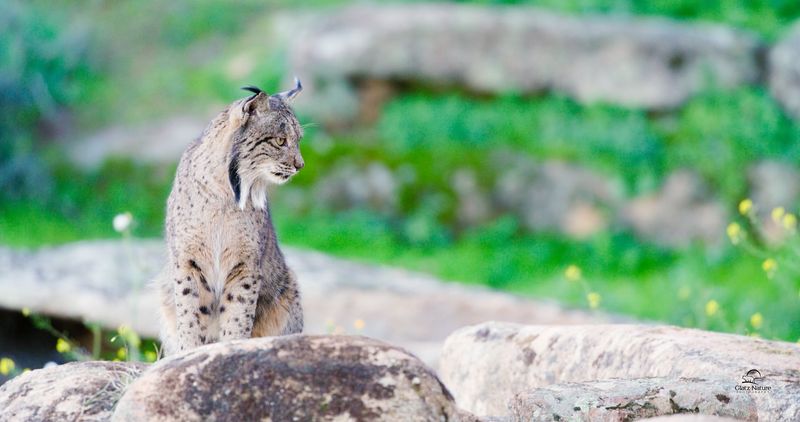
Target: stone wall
x,y
649,63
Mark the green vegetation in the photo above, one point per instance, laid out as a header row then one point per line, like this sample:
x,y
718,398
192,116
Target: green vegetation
x,y
127,62
768,17
631,277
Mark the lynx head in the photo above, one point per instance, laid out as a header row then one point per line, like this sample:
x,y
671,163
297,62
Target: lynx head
x,y
265,144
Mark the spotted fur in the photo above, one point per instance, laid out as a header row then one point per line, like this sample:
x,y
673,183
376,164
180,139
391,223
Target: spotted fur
x,y
226,277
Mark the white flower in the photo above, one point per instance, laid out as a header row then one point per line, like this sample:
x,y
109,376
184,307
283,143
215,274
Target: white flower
x,y
122,222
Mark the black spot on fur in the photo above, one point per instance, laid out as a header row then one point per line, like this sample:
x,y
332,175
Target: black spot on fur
x,y
186,291
204,310
246,286
204,283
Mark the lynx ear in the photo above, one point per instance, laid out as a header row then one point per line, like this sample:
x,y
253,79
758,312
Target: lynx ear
x,y
258,102
290,94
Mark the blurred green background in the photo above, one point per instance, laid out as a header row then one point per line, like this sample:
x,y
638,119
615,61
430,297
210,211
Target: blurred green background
x,y
73,69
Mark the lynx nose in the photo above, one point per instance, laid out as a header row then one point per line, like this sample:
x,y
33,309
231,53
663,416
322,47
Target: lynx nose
x,y
298,162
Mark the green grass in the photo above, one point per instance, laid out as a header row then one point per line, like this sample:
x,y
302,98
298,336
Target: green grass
x,y
734,127
82,205
632,277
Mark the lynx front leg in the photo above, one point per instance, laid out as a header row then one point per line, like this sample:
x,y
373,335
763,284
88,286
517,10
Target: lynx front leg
x,y
237,311
193,302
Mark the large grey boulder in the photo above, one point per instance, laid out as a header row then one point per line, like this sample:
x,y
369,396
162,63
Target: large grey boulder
x,y
290,378
784,71
651,63
631,399
487,365
690,417
157,142
773,184
556,196
80,391
683,211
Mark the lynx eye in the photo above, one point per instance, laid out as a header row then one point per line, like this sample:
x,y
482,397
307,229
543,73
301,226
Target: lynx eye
x,y
280,141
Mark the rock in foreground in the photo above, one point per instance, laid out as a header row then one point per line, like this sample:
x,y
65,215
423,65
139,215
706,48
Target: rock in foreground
x,y
85,391
486,365
624,400
290,378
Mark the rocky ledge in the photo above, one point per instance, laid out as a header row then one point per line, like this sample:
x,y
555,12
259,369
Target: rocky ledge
x,y
619,372
492,372
109,282
297,377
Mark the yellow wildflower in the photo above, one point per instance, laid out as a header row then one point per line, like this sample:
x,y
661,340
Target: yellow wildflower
x,y
745,206
129,335
790,222
150,356
594,300
6,366
122,353
359,324
734,233
757,320
573,273
769,266
777,214
712,307
63,346
26,311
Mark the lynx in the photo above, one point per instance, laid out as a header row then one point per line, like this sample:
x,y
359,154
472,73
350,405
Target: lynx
x,y
226,277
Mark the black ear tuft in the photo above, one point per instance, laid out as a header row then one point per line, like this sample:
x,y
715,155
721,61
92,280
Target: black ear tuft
x,y
254,89
233,176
